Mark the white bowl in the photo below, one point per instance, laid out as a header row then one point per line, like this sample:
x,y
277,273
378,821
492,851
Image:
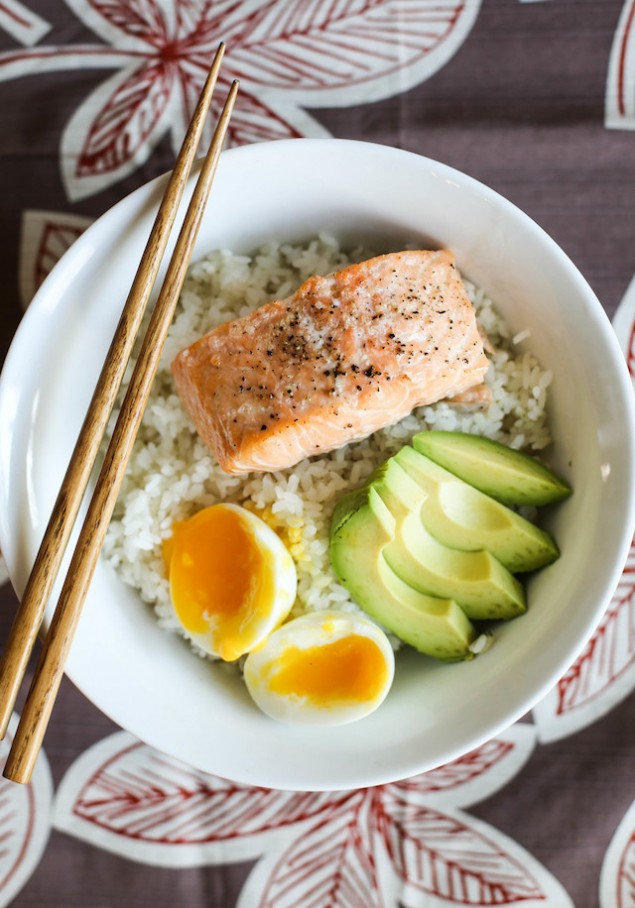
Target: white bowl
x,y
146,680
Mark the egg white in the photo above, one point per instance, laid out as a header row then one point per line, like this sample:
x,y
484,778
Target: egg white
x,y
311,630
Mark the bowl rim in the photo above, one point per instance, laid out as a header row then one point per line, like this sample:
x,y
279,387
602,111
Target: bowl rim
x,y
623,388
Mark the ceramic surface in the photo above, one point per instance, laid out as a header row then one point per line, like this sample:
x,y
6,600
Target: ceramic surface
x,y
148,681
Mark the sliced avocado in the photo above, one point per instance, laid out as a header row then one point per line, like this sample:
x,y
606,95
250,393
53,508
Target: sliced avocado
x,y
475,580
361,528
461,517
507,475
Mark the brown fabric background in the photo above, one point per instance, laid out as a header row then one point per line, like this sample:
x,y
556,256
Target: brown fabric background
x,y
520,106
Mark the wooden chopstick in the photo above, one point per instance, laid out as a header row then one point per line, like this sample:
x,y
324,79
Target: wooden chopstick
x,y
50,667
28,619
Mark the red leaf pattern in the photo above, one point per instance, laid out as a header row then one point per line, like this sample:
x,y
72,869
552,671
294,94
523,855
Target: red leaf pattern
x,y
257,123
609,653
620,89
443,856
10,844
458,772
155,799
331,864
624,325
139,18
22,23
126,121
56,239
318,45
202,24
630,351
617,880
45,237
344,849
24,824
626,876
289,55
474,776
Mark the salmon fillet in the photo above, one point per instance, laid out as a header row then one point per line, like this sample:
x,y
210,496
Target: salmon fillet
x,y
479,397
344,356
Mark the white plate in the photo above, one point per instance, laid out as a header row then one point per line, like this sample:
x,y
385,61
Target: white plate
x,y
148,681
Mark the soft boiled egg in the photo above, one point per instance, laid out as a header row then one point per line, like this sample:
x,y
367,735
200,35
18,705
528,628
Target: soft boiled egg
x,y
323,668
232,580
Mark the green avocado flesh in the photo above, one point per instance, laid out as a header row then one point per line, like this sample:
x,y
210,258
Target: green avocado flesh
x,y
476,581
437,627
425,553
462,517
509,476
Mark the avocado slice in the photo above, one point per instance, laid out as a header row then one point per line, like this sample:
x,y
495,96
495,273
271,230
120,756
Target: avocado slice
x,y
509,476
475,580
361,528
461,517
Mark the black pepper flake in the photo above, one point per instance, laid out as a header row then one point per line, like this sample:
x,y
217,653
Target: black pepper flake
x,y
269,352
263,428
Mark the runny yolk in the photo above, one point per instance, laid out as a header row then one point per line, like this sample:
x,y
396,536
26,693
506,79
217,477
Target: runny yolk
x,y
220,578
351,669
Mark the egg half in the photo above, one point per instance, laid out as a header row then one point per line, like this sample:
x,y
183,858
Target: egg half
x,y
323,668
232,580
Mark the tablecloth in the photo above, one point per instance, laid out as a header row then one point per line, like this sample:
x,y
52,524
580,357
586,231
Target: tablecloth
x,y
537,100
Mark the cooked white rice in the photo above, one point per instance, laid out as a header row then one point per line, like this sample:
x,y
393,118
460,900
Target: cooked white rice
x,y
172,473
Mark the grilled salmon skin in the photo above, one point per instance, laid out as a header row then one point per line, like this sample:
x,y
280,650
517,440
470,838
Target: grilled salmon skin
x,y
344,356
